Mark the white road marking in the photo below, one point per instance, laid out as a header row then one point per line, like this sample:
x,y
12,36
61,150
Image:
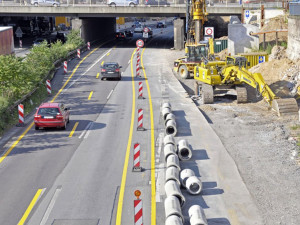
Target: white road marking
x,y
110,94
51,205
129,61
85,129
89,131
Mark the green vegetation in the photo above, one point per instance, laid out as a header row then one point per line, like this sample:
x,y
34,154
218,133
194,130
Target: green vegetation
x,y
20,76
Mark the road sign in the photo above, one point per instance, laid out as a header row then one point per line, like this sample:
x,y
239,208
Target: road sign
x,y
145,35
261,59
19,32
146,30
209,31
140,43
247,14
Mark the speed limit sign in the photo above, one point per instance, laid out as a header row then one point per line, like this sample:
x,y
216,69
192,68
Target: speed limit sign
x,y
140,43
146,29
209,31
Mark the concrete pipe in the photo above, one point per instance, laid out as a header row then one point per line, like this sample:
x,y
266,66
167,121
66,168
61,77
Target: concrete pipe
x,y
172,173
169,139
173,161
172,189
166,105
170,116
194,185
169,149
172,207
174,220
184,175
171,128
165,112
184,152
197,215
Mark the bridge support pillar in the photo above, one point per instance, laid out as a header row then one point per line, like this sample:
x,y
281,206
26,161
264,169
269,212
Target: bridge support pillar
x,y
178,34
92,29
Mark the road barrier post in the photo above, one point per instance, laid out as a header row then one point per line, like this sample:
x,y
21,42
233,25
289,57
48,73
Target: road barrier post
x,y
65,67
78,53
21,114
136,158
138,209
137,70
88,46
140,90
140,120
20,44
48,84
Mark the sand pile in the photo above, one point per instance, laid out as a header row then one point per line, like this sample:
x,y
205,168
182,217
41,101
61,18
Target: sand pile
x,y
276,23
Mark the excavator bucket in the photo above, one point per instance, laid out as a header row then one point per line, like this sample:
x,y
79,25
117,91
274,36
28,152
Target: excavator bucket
x,y
285,106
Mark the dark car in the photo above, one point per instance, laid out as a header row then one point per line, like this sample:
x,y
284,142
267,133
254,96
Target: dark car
x,y
157,3
129,33
61,36
120,36
111,70
39,41
160,25
52,115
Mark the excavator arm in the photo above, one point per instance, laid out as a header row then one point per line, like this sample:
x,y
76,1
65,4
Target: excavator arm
x,y
236,74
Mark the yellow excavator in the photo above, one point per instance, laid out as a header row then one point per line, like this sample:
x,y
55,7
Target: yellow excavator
x,y
195,50
230,76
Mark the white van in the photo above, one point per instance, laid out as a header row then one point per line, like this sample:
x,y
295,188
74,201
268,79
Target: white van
x,y
114,3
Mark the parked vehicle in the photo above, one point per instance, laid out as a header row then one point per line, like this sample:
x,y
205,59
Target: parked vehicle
x,y
129,33
157,3
139,29
161,25
114,3
111,70
45,3
52,115
39,40
120,36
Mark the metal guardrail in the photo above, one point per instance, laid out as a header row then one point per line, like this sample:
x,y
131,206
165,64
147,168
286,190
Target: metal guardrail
x,y
294,8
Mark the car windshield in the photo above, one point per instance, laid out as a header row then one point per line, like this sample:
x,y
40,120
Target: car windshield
x,y
110,66
48,111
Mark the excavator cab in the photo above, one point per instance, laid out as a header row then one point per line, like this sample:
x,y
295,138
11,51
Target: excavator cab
x,y
239,61
195,53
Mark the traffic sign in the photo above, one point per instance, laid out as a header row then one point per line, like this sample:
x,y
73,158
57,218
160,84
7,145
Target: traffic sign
x,y
247,14
19,32
145,35
261,59
146,29
140,43
209,31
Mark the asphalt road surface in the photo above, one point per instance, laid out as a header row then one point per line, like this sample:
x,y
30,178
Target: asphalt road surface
x,y
85,177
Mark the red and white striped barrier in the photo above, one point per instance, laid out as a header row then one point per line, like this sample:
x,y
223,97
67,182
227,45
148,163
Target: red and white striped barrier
x,y
138,70
138,212
88,46
48,86
21,114
138,51
20,44
78,53
65,67
136,157
140,119
140,90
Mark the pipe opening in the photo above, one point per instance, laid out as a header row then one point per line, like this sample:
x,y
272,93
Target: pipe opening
x,y
194,187
181,200
170,130
184,153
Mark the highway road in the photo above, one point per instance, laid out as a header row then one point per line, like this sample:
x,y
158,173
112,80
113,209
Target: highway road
x,y
83,175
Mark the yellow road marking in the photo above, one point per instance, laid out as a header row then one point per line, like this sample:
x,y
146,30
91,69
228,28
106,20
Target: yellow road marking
x,y
74,128
89,98
30,207
153,187
124,174
16,142
30,126
102,63
233,217
108,54
97,75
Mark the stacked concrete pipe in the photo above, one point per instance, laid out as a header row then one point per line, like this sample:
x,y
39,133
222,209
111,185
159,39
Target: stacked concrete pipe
x,y
169,150
172,189
184,151
169,118
184,175
173,161
171,128
197,215
194,185
173,211
172,173
169,139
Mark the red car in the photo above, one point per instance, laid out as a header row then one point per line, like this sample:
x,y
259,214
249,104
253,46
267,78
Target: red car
x,y
52,115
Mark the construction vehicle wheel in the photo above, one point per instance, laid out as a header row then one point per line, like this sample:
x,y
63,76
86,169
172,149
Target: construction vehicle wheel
x,y
183,72
207,93
285,106
241,94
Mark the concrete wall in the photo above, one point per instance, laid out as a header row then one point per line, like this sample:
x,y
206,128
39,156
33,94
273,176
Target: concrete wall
x,y
95,28
239,40
179,34
293,50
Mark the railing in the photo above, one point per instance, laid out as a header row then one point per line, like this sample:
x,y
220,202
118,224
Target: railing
x,y
294,8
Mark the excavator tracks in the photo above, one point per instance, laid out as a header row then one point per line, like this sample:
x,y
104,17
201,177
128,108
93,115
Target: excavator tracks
x,y
286,107
241,94
205,91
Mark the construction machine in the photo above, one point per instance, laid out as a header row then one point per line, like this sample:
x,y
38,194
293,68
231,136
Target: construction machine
x,y
230,77
195,50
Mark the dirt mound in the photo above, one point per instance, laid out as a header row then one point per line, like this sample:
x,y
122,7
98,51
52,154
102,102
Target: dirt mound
x,y
276,23
222,54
